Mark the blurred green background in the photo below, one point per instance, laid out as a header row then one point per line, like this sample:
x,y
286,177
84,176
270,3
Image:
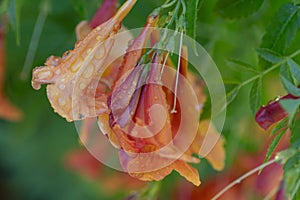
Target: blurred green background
x,y
32,151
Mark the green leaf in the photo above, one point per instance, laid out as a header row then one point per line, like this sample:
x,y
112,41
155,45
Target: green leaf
x,y
282,30
240,65
192,8
295,69
269,55
292,174
237,8
295,131
280,126
274,143
255,95
288,81
291,106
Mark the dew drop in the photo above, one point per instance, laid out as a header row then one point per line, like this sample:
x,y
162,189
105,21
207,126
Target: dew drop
x,y
100,52
62,86
61,101
57,72
88,72
75,67
44,75
81,86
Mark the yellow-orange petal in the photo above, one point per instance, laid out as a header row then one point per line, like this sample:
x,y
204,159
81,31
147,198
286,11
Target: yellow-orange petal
x,y
188,172
212,145
74,80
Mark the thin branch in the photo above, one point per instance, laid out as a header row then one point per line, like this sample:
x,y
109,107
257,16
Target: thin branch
x,y
240,179
268,70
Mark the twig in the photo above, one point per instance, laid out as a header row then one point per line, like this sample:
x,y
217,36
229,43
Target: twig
x,y
240,179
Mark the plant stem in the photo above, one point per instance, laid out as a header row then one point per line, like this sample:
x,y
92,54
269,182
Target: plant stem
x,y
240,179
268,70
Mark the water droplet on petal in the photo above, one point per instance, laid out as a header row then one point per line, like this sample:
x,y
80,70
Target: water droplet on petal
x,y
81,86
75,67
100,52
99,38
62,86
88,72
61,101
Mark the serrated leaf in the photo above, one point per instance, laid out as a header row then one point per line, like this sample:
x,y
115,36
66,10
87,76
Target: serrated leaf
x,y
191,16
280,126
288,81
192,8
295,69
282,30
255,95
291,106
274,144
232,95
269,55
295,131
237,8
240,65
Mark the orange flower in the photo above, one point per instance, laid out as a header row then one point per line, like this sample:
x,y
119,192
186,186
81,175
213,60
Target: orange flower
x,y
73,78
149,157
136,112
7,110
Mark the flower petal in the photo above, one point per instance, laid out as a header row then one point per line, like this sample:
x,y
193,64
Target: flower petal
x,y
272,113
210,145
79,71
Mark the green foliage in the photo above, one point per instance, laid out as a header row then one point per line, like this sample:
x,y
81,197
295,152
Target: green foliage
x,y
279,130
269,55
241,65
255,95
292,173
282,30
192,8
25,145
237,8
291,106
288,81
232,95
274,143
295,70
